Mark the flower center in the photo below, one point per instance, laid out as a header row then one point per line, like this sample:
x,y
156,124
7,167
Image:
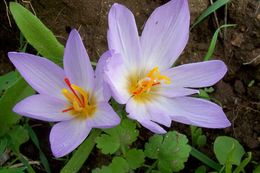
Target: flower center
x,y
80,104
152,78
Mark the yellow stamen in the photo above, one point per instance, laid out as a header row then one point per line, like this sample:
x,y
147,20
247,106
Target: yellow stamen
x,y
80,104
151,79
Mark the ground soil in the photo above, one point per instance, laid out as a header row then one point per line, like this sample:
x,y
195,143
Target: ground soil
x,y
238,47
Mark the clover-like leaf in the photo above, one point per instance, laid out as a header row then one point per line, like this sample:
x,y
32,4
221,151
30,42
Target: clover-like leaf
x,y
135,158
108,144
18,135
171,151
226,147
123,135
118,164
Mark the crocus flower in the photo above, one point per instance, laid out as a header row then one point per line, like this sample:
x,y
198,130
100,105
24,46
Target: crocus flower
x,y
140,73
75,97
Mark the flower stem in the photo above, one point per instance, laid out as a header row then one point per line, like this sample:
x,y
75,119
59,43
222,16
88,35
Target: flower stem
x,y
82,153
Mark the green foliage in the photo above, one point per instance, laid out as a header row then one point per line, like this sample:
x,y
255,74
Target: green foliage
x,y
257,169
14,92
36,33
18,136
216,5
201,169
204,93
11,170
121,136
171,151
135,158
197,138
228,149
35,140
118,164
3,145
214,41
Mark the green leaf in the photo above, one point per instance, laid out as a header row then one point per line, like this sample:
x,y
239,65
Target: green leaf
x,y
201,169
135,158
108,144
123,135
35,140
36,33
224,146
243,164
171,151
214,41
18,136
216,5
3,145
257,169
11,170
7,80
201,140
12,95
118,165
81,154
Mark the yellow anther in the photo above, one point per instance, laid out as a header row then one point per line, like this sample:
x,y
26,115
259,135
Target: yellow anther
x,y
152,78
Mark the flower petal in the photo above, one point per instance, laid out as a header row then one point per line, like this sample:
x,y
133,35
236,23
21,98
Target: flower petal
x,y
193,111
43,75
67,135
116,75
166,34
153,126
102,89
173,91
105,117
77,65
43,107
142,113
195,75
123,35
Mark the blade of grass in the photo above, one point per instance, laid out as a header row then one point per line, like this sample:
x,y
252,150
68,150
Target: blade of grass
x,y
81,154
214,41
205,159
35,140
216,5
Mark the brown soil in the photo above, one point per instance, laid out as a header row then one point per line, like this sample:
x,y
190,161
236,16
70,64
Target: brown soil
x,y
238,47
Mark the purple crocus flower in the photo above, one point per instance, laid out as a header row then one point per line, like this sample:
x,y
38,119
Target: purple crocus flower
x,y
140,74
75,97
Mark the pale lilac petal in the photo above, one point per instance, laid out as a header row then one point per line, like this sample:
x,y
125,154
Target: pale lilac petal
x,y
166,34
43,107
117,76
102,90
193,111
195,75
77,65
43,75
142,113
172,91
105,117
68,135
123,35
155,128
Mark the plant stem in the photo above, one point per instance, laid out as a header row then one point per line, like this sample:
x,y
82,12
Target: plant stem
x,y
205,159
152,166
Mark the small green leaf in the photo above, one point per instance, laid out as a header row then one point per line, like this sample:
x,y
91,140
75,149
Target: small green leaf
x,y
119,165
201,140
36,33
201,169
12,95
243,164
7,80
224,146
18,136
123,135
257,169
216,5
135,158
171,151
3,145
214,41
108,144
